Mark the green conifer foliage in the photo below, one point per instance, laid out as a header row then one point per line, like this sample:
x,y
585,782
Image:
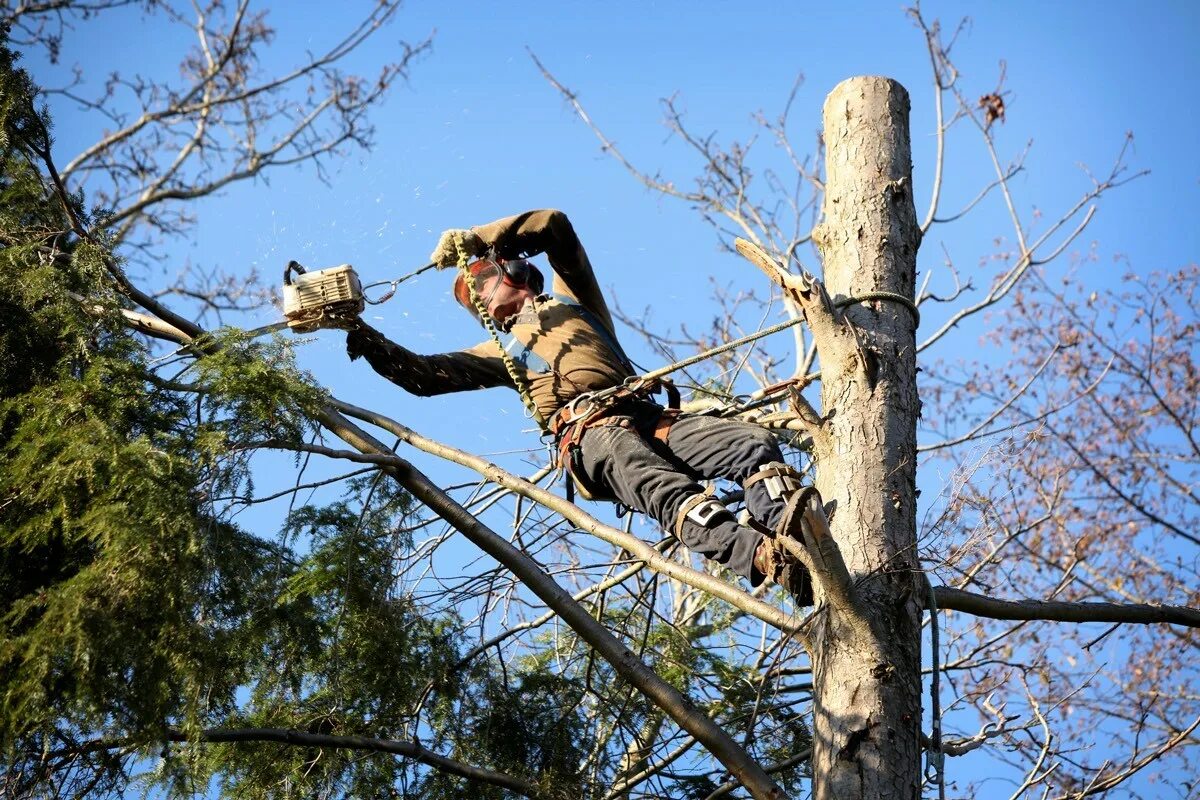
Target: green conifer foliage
x,y
135,615
107,557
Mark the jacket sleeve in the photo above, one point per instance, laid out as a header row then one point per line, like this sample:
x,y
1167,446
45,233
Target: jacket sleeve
x,y
550,232
477,368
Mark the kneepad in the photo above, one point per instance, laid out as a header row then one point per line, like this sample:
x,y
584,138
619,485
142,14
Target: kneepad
x,y
702,509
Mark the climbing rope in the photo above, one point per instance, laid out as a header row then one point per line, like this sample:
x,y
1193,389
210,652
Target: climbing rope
x,y
716,351
661,372
510,366
891,296
522,384
935,759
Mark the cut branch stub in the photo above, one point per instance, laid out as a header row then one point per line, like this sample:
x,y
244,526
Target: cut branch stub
x,y
804,290
773,269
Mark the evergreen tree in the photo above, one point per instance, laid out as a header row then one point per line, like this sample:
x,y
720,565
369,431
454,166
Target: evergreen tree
x,y
135,612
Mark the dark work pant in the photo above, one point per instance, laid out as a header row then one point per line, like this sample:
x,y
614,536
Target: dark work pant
x,y
644,474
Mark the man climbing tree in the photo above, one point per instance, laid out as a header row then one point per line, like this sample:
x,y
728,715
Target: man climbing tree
x,y
559,350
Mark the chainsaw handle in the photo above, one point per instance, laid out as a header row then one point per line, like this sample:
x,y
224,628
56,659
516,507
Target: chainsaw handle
x,y
292,266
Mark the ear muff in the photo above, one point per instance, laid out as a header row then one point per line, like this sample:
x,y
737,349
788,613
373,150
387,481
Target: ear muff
x,y
520,272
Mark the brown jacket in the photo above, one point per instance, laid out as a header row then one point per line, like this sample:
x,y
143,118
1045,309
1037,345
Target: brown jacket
x,y
580,359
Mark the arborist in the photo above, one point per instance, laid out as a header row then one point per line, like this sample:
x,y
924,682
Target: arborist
x,y
561,353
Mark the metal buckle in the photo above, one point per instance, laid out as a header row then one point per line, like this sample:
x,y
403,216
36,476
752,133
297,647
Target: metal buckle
x,y
778,486
574,412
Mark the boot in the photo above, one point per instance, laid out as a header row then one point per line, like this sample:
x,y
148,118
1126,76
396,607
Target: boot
x,y
782,569
791,523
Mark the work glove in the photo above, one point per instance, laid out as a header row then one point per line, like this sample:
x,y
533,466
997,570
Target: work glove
x,y
454,242
364,340
358,342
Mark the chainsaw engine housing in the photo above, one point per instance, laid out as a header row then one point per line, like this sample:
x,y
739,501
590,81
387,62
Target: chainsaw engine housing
x,y
312,296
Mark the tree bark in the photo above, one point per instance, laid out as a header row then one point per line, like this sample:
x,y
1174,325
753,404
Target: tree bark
x,y
867,656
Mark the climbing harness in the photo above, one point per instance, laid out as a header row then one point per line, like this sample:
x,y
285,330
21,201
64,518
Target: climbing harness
x,y
587,410
591,408
567,425
583,411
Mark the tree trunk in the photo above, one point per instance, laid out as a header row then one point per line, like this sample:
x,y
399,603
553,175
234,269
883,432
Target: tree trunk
x,y
867,669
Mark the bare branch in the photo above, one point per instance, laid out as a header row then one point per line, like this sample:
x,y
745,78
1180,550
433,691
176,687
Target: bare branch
x,y
584,521
295,738
981,606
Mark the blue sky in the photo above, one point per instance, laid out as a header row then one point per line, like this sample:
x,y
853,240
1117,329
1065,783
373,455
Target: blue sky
x,y
476,134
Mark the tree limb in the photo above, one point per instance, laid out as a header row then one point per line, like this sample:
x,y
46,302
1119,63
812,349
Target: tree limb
x,y
569,511
631,668
1055,611
290,736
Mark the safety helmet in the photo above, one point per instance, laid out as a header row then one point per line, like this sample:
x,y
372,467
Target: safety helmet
x,y
517,272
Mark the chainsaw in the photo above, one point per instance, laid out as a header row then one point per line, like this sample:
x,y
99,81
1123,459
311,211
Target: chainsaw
x,y
312,300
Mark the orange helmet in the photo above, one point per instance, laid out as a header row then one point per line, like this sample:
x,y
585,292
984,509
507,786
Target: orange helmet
x,y
518,272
